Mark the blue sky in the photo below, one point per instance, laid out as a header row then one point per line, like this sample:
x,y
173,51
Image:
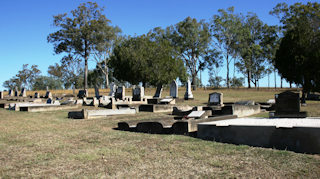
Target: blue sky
x,y
26,24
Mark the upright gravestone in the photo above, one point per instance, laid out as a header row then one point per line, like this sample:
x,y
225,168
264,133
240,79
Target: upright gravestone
x,y
36,95
174,89
113,89
188,95
23,92
1,94
137,93
47,88
16,92
158,91
83,93
120,92
10,92
48,94
216,99
96,91
288,105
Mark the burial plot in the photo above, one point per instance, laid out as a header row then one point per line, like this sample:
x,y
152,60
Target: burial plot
x,y
174,89
158,91
216,99
137,93
188,95
288,105
120,92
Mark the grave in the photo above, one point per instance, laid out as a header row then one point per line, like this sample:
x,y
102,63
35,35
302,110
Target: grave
x,y
48,94
96,92
10,93
113,89
288,105
188,95
137,93
174,89
92,114
155,108
23,93
215,99
158,91
83,93
295,134
167,101
16,92
120,93
46,107
95,102
36,95
1,94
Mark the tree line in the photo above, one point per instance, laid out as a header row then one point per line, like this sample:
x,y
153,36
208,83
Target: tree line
x,y
182,50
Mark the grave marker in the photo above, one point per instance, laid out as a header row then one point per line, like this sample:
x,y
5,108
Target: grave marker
x,y
36,95
137,93
23,92
216,99
113,89
83,93
288,105
96,91
48,94
158,91
174,89
188,94
120,92
1,94
10,92
16,92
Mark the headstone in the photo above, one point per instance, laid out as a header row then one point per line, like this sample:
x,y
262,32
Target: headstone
x,y
113,89
47,88
174,89
158,91
23,92
95,102
120,92
16,92
188,94
10,92
49,101
36,95
48,94
137,93
1,94
82,93
216,99
96,91
288,105
74,90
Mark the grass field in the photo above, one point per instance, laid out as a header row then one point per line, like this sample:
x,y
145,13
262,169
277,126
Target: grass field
x,y
48,144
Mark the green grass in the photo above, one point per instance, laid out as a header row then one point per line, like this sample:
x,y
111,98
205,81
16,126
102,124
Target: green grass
x,y
48,144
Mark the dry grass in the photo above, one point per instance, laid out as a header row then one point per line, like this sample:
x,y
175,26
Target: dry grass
x,y
47,144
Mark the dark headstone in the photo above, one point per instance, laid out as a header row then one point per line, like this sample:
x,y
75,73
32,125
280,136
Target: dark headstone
x,y
1,94
215,98
158,91
137,93
36,95
288,105
48,94
82,93
10,92
174,89
188,95
120,92
23,92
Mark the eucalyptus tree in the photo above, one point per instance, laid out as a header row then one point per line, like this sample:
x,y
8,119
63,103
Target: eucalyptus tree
x,y
225,28
192,40
79,33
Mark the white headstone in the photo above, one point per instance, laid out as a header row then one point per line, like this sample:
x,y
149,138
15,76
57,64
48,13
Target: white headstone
x,y
188,94
113,89
158,91
48,94
23,92
174,89
10,92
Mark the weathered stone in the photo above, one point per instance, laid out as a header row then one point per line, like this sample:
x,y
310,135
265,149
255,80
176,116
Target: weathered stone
x,y
216,99
174,89
196,114
168,101
10,93
95,102
158,91
36,95
288,105
16,92
245,103
91,114
188,95
113,89
1,94
23,93
120,93
156,108
48,94
137,93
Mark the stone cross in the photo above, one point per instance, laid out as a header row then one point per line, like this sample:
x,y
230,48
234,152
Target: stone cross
x,y
158,91
137,93
174,89
188,94
113,89
23,92
215,99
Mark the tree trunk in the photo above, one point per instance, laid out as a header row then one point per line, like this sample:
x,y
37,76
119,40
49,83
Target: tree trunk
x,y
275,79
303,98
290,85
106,75
228,82
193,84
281,83
86,72
249,79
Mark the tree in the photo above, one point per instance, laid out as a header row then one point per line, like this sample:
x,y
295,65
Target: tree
x,y
95,78
253,60
80,33
104,49
42,82
225,30
12,83
192,41
298,56
236,82
69,72
139,59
